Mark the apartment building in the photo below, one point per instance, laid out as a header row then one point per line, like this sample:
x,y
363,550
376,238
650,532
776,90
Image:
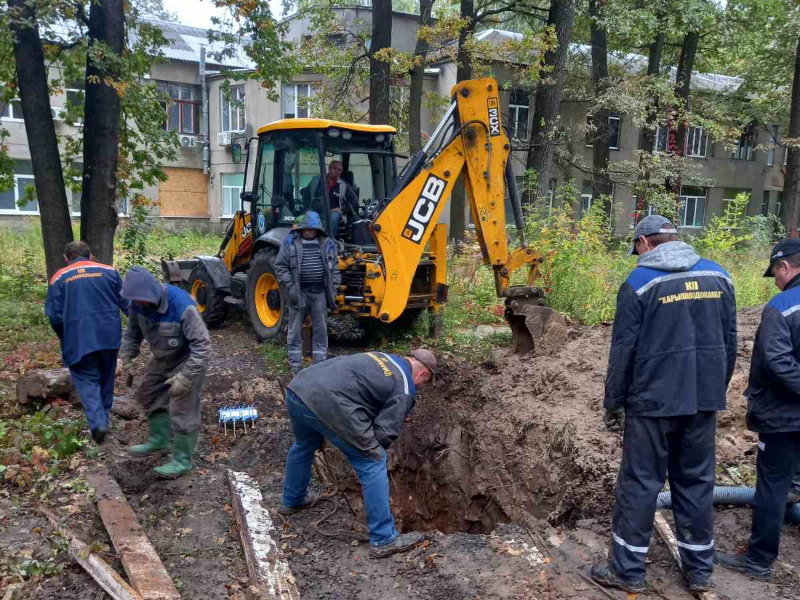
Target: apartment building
x,y
205,195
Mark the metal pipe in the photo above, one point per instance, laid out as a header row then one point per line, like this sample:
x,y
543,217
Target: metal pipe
x,y
204,98
440,127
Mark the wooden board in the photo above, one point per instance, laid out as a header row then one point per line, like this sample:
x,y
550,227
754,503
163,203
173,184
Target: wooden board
x,y
100,570
184,193
145,570
665,531
270,577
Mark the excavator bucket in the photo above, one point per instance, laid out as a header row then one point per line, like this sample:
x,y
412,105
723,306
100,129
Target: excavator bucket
x,y
533,325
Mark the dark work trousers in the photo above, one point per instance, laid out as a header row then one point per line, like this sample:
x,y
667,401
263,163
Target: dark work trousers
x,y
651,447
777,461
93,376
317,306
153,396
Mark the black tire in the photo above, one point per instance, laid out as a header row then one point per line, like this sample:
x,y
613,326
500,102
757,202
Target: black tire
x,y
374,330
210,301
267,304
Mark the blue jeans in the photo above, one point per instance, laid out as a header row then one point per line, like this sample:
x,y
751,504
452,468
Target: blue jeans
x,y
93,376
336,216
308,434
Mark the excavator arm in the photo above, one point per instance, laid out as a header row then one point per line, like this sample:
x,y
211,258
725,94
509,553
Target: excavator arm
x,y
472,144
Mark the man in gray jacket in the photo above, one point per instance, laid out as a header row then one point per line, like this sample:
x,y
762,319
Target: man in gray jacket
x,y
167,317
307,268
359,403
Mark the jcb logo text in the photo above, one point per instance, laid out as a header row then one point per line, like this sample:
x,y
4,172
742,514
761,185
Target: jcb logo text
x,y
426,204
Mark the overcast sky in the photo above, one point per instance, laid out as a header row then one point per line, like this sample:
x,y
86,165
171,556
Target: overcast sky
x,y
198,13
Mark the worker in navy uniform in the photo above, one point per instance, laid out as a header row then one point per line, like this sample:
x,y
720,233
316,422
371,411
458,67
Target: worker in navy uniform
x,y
773,411
83,303
673,349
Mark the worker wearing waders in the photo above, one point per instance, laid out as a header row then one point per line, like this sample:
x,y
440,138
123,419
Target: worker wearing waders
x,y
83,304
773,411
673,349
307,267
359,403
167,317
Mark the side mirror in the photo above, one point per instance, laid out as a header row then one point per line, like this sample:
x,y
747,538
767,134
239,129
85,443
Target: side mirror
x,y
236,153
247,197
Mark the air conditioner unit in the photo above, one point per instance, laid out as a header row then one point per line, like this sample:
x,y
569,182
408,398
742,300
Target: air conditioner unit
x,y
188,141
56,112
225,138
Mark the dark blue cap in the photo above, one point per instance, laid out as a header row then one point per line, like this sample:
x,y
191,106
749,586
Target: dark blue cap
x,y
781,250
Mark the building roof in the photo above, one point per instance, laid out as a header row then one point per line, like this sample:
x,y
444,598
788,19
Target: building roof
x,y
184,45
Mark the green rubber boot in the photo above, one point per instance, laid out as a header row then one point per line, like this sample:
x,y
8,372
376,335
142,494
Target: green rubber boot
x,y
159,423
182,449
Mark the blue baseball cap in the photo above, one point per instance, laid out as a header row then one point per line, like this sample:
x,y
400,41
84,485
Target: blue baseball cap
x,y
781,250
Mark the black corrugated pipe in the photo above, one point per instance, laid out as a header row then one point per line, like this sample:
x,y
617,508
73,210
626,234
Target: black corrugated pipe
x,y
736,496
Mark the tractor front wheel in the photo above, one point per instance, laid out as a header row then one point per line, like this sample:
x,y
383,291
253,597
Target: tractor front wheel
x,y
267,305
210,300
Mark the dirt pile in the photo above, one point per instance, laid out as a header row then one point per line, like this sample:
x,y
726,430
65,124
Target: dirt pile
x,y
523,438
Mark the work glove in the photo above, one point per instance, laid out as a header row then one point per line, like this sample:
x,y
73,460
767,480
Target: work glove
x,y
179,385
615,419
125,370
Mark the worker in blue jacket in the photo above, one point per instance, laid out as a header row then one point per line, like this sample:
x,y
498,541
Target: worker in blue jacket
x,y
773,411
83,304
673,349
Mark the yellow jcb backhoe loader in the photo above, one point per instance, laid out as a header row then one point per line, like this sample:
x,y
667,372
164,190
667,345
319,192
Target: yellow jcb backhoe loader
x,y
392,257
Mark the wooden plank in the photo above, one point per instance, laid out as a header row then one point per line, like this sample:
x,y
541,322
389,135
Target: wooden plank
x,y
270,576
100,570
665,531
142,564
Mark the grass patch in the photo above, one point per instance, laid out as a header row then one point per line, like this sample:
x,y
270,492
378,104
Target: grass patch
x,y
274,353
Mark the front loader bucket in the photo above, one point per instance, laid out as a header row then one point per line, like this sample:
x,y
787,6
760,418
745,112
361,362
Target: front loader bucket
x,y
533,325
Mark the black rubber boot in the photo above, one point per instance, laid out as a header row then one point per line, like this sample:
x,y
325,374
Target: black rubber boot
x,y
742,564
99,436
607,577
402,543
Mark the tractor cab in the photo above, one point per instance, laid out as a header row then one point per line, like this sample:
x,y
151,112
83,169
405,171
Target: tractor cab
x,y
292,167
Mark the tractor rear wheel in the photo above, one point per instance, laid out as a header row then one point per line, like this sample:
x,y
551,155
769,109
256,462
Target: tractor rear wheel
x,y
210,300
267,304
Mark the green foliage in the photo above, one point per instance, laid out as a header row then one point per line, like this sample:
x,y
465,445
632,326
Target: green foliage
x,y
32,446
274,354
723,234
134,234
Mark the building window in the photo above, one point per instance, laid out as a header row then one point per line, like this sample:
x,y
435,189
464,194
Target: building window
x,y
697,142
12,111
613,131
183,108
693,207
9,199
778,204
773,142
662,133
518,110
586,198
233,113
765,204
232,186
295,100
745,147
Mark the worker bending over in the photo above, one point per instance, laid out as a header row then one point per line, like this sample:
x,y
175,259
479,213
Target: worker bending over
x,y
673,350
168,319
83,304
773,411
307,268
359,403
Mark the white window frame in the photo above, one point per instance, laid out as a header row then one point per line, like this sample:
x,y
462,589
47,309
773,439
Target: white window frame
x,y
295,94
773,143
693,149
17,195
231,105
750,148
78,123
618,118
586,203
513,117
682,220
230,187
13,118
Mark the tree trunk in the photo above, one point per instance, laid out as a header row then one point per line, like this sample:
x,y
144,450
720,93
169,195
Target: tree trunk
x,y
548,96
790,209
101,130
458,199
39,127
380,71
683,81
417,74
601,184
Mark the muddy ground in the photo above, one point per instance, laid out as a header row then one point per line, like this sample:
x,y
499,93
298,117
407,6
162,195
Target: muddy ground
x,y
506,464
